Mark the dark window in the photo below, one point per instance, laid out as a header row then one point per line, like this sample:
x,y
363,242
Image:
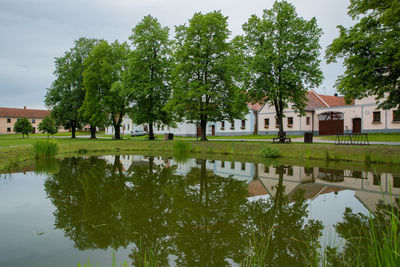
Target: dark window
x,y
290,121
232,165
243,124
266,169
33,120
376,179
8,130
308,120
290,171
243,166
222,164
266,123
396,115
8,120
396,181
377,116
222,125
276,123
232,125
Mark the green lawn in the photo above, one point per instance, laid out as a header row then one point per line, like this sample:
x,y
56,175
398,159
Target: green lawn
x,y
378,137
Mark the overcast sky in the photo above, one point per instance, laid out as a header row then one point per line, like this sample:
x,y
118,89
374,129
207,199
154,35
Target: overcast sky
x,y
34,32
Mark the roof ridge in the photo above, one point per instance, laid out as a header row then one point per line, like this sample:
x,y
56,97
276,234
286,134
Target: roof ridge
x,y
319,98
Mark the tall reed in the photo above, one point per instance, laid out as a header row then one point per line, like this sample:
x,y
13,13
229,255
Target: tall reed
x,y
45,148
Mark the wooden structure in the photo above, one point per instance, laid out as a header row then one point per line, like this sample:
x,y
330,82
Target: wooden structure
x,y
331,123
352,139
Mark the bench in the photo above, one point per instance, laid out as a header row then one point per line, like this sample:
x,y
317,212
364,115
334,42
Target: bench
x,y
282,139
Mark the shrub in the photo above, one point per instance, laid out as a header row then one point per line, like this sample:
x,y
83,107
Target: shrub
x,y
271,152
45,148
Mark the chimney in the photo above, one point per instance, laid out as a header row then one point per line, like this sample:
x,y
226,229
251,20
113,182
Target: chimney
x,y
24,107
335,94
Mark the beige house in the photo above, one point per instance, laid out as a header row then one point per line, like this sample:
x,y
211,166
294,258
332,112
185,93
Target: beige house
x,y
330,115
9,116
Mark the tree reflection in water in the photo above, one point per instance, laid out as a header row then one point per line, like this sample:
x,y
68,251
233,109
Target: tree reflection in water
x,y
202,219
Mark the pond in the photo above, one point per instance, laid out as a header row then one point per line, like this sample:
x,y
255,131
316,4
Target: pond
x,y
196,212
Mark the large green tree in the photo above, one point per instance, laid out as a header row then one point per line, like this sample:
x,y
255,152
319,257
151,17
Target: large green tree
x,y
104,104
371,52
66,95
48,126
146,79
282,52
23,126
204,84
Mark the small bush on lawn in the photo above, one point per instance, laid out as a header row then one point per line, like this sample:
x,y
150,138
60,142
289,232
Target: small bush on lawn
x,y
271,152
45,148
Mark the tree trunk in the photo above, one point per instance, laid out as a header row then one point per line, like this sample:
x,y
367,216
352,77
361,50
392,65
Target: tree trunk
x,y
203,127
73,129
92,131
117,135
151,132
280,120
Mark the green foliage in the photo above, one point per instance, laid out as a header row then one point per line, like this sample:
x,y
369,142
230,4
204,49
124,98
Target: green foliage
x,y
282,52
182,150
23,126
66,94
370,50
104,104
48,126
204,84
147,76
370,240
45,148
270,152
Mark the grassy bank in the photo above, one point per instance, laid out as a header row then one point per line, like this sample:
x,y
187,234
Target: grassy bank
x,y
295,152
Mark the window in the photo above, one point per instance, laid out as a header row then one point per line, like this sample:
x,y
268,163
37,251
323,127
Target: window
x,y
396,181
266,169
376,179
232,125
232,165
222,125
276,123
396,115
266,123
243,166
8,120
33,120
8,130
243,124
308,120
290,121
290,171
377,116
222,164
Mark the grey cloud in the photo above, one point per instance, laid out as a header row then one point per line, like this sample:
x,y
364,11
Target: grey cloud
x,y
33,32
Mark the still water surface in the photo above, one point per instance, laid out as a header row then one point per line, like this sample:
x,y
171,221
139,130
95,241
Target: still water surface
x,y
193,213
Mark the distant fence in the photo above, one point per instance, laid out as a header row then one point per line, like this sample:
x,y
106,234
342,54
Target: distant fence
x,y
352,139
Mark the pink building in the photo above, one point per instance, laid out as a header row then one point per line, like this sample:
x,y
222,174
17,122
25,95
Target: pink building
x,y
9,116
330,115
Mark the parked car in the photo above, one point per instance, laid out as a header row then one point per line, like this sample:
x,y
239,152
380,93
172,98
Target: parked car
x,y
138,133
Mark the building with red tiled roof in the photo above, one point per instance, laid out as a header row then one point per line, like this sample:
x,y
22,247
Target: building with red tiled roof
x,y
9,116
331,115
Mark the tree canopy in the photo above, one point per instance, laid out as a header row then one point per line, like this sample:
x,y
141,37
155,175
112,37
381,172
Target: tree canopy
x,y
204,85
23,126
371,52
146,79
282,52
103,104
48,126
66,95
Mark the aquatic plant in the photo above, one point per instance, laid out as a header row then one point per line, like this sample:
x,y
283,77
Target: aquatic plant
x,y
270,152
45,148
